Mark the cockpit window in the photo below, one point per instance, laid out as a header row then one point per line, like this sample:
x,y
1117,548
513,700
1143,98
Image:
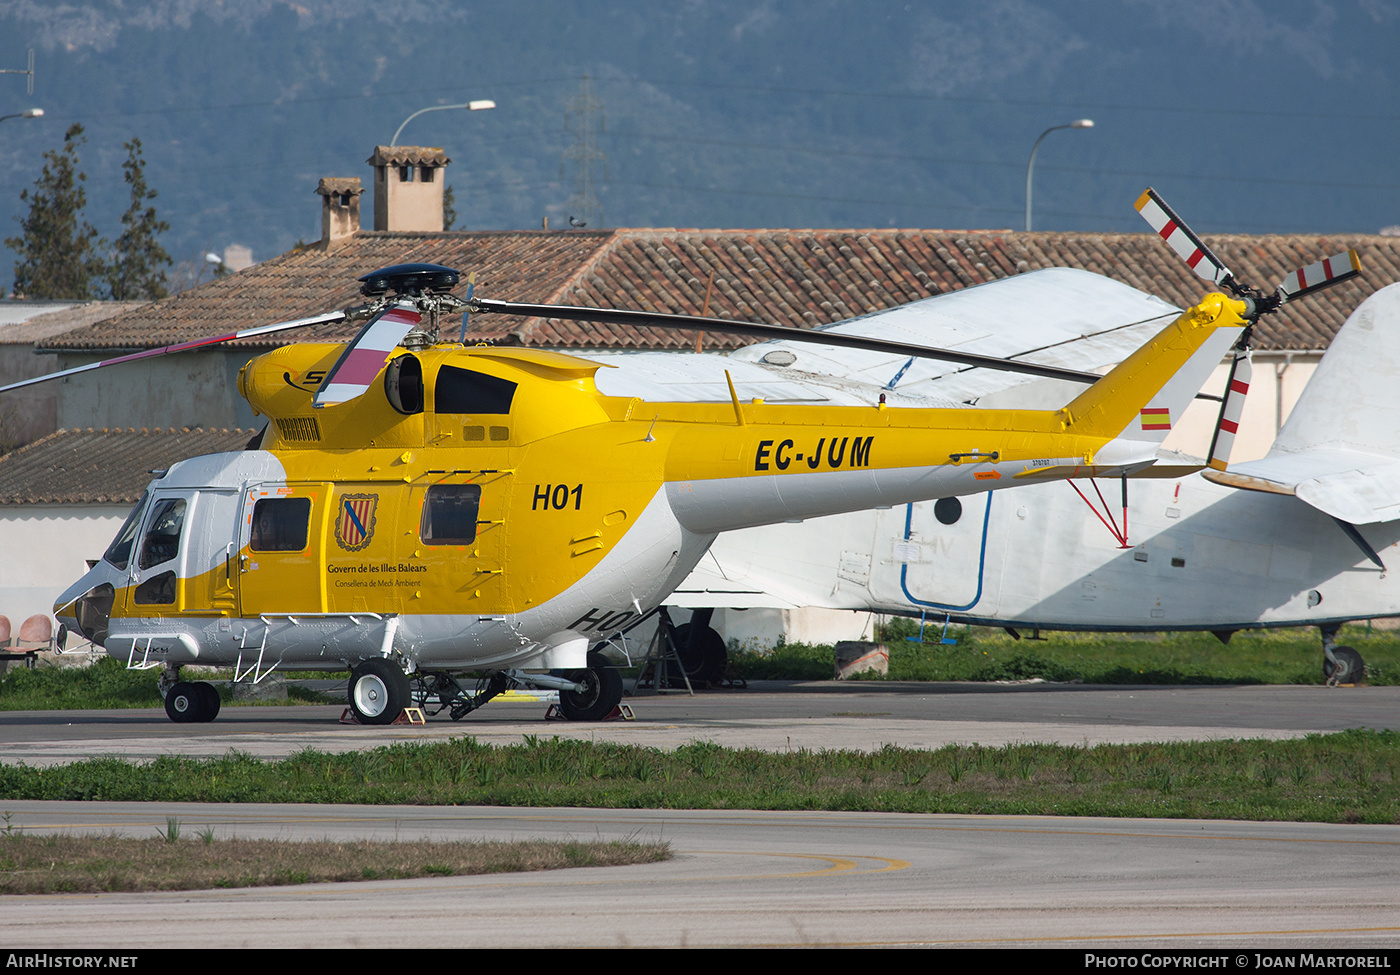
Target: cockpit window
x,y
464,391
119,552
162,539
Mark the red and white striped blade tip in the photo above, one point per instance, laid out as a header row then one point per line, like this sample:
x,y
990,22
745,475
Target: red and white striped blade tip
x,y
361,362
1190,248
1325,273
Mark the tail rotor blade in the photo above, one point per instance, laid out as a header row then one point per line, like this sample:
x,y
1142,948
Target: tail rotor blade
x,y
1325,273
1190,248
1230,411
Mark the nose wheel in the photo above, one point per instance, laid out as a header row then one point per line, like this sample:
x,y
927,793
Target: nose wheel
x,y
189,702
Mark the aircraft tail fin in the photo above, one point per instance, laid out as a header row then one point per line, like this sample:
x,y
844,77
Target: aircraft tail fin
x,y
1339,450
1144,395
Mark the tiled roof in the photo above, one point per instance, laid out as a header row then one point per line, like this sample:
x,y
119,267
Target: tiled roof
x,y
523,266
26,322
399,155
790,277
102,466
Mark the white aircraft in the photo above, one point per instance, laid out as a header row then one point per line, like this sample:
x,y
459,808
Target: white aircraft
x,y
1303,536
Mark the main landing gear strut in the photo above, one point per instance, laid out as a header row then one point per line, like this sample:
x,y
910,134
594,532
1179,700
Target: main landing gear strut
x,y
379,690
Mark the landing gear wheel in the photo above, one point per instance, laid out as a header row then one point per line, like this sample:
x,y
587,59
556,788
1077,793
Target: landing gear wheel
x,y
184,703
708,659
378,691
1350,668
208,701
602,691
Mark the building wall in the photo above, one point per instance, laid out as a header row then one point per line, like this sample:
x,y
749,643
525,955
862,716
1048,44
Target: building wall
x,y
190,389
1277,382
45,551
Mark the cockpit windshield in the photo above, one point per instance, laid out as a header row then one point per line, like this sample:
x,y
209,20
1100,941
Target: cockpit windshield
x,y
119,552
162,540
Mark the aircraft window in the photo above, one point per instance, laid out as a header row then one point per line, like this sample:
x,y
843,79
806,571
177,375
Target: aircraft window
x,y
280,524
162,540
157,590
464,391
119,552
947,510
403,384
449,514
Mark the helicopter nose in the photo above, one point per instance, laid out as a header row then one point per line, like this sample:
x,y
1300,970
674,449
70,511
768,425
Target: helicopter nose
x,y
90,613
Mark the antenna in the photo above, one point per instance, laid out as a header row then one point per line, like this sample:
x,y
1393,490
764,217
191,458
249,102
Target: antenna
x,y
583,113
29,71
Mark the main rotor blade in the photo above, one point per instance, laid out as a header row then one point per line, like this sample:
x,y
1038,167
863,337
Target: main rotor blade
x,y
362,359
333,316
1190,248
617,316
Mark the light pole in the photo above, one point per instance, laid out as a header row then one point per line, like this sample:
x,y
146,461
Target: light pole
x,y
27,113
1083,123
474,106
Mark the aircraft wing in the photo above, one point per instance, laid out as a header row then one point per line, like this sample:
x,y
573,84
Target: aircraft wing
x,y
1057,316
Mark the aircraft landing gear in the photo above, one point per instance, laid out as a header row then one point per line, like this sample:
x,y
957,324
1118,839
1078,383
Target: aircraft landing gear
x,y
584,695
378,691
601,691
1340,665
191,702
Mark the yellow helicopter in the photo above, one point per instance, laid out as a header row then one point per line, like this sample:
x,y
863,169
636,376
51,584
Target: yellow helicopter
x,y
418,508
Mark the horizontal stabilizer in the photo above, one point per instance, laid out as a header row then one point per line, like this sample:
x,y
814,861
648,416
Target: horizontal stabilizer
x,y
1351,486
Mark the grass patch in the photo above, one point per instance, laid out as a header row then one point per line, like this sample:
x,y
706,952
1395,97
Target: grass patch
x,y
1352,776
985,654
107,684
55,864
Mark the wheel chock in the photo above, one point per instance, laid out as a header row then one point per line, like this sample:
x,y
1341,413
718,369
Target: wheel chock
x,y
620,713
408,716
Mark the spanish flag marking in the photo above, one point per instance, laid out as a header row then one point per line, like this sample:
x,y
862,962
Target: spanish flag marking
x,y
1156,418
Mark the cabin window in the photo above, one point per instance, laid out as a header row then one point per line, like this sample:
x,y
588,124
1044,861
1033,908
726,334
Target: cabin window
x,y
162,540
119,552
449,514
158,590
280,525
464,391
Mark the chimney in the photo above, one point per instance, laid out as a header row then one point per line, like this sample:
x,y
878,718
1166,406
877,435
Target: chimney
x,y
408,187
340,207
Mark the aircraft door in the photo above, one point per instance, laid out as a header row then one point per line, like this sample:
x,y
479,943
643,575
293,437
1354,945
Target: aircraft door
x,y
945,558
280,541
160,570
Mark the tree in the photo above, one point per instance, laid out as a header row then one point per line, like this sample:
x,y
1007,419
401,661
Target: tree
x,y
58,250
449,208
139,262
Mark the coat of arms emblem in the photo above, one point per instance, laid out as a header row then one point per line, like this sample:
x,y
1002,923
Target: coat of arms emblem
x,y
354,523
